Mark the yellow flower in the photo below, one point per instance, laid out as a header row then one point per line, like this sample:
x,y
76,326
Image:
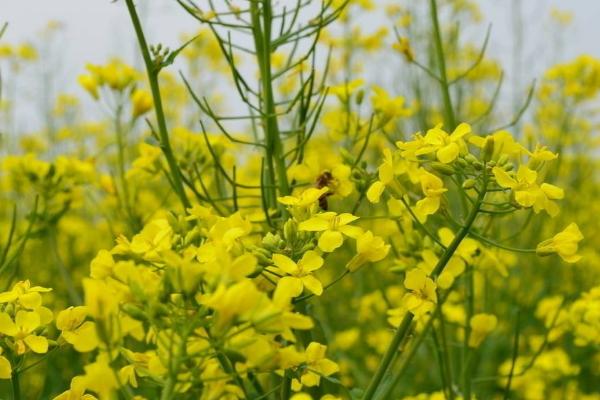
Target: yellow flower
x,y
563,243
22,330
307,198
527,192
403,46
317,365
5,368
332,227
446,146
76,392
300,273
344,91
386,175
24,295
481,326
75,330
422,297
90,84
141,102
433,189
369,248
457,263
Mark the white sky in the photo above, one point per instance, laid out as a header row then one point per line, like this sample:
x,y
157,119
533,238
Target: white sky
x,y
97,29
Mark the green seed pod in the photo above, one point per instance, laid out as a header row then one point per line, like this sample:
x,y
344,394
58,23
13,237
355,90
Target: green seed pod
x,y
443,168
469,183
290,230
471,159
262,255
360,97
488,148
134,312
462,162
503,160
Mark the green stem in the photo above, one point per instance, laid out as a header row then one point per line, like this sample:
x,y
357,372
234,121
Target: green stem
x,y
286,383
152,72
389,355
470,308
449,116
16,387
121,167
261,30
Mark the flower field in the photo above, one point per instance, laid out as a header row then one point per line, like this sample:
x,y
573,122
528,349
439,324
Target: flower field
x,y
263,211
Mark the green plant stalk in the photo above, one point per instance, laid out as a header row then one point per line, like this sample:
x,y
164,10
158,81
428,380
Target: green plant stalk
x,y
121,166
389,355
152,72
449,116
470,311
261,30
16,387
404,327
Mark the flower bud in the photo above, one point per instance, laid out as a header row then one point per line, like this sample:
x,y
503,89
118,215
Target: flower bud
x,y
290,230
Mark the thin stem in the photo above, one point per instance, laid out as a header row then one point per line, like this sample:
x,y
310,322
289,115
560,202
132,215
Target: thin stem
x,y
152,71
16,388
443,76
261,29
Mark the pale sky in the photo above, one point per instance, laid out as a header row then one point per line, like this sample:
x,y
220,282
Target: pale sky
x,y
97,29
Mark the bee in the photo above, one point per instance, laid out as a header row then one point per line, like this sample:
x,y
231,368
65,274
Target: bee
x,y
324,180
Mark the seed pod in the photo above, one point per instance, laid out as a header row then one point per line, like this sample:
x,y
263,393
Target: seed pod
x,y
360,97
469,183
471,159
290,229
503,160
462,162
488,148
443,168
134,312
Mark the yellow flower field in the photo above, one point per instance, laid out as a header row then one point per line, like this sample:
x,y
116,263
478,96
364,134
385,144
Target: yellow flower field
x,y
255,213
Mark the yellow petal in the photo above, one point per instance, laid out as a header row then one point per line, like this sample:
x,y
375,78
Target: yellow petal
x,y
5,368
314,224
311,261
285,264
448,153
27,321
312,284
330,240
7,326
375,191
288,287
38,344
503,178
